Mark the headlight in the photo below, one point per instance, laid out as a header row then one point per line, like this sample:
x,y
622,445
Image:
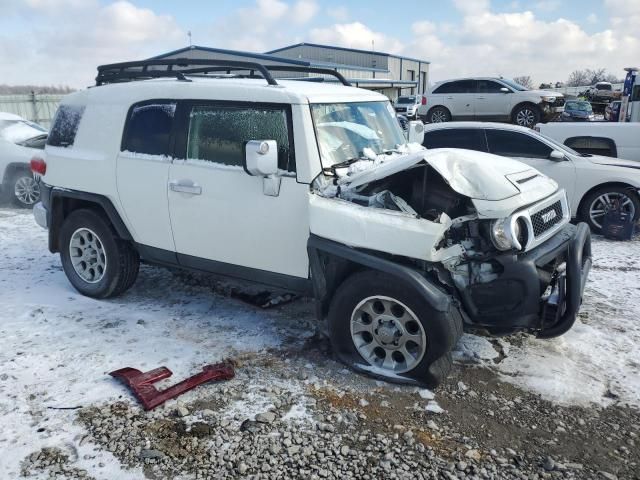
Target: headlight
x,y
546,98
501,235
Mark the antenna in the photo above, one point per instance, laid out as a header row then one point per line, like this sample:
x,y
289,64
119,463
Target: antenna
x,y
373,45
189,35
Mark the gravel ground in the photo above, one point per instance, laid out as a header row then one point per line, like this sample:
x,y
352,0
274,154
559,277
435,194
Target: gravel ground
x,y
291,411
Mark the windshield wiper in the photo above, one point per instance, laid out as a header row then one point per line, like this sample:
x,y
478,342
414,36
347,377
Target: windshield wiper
x,y
344,164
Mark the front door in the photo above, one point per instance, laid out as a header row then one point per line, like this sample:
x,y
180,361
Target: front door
x,y
221,219
492,103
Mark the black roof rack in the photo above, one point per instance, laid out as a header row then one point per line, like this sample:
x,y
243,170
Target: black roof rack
x,y
180,67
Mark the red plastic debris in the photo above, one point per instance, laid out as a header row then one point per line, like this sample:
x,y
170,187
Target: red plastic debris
x,y
142,383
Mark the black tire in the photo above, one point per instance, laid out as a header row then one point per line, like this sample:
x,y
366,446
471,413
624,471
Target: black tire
x,y
442,329
612,191
438,115
526,115
122,260
28,188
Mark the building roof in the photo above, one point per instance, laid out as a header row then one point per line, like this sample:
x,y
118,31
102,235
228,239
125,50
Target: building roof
x,y
370,52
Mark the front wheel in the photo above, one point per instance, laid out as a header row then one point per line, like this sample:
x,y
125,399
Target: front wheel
x,y
24,189
596,205
96,262
379,325
526,116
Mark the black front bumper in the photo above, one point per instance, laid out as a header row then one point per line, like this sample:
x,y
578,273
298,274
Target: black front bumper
x,y
539,291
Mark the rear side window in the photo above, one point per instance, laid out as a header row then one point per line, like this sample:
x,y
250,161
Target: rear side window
x,y
458,86
516,144
65,125
219,133
467,138
148,128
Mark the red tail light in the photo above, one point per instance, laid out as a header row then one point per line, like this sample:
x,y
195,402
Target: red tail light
x,y
424,100
38,166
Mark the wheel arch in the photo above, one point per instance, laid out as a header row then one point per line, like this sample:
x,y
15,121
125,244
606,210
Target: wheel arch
x,y
602,185
12,168
63,202
331,263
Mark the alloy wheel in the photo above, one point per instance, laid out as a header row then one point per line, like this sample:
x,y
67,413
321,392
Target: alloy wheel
x,y
26,190
438,116
605,202
526,118
88,255
387,334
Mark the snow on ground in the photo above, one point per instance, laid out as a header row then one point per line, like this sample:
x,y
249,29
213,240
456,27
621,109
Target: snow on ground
x,y
56,346
598,360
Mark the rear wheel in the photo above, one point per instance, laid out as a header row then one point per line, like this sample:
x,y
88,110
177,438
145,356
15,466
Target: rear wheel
x,y
438,115
24,189
378,325
596,205
96,262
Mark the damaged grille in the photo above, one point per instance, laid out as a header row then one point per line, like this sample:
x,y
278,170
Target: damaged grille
x,y
546,218
559,102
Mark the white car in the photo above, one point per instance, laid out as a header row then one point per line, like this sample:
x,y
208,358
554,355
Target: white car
x,y
310,187
20,140
490,99
593,183
408,105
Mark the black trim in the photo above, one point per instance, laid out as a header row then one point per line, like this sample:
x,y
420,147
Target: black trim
x,y
438,299
286,282
159,101
56,213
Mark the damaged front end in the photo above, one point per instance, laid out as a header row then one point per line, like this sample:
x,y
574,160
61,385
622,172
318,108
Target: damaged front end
x,y
491,234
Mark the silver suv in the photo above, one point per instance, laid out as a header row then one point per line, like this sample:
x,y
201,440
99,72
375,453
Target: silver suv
x,y
490,99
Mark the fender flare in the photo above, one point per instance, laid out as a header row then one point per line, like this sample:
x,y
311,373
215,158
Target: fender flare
x,y
326,277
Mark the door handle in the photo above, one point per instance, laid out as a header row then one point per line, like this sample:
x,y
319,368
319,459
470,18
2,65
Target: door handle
x,y
449,98
185,186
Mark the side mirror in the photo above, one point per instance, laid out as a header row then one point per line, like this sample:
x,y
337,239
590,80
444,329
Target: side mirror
x,y
557,156
505,90
415,132
261,160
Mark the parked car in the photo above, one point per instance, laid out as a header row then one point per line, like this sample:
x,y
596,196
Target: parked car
x,y
408,105
403,121
490,98
620,140
577,111
600,92
612,111
594,184
313,188
20,140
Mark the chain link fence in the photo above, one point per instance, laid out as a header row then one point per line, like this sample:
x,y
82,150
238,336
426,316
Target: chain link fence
x,y
39,108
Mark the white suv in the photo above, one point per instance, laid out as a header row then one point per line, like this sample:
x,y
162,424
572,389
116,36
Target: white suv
x,y
408,105
309,187
486,99
20,140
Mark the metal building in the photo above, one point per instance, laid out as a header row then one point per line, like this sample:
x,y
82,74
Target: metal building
x,y
389,74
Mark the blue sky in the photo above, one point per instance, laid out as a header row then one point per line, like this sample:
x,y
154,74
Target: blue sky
x,y
62,41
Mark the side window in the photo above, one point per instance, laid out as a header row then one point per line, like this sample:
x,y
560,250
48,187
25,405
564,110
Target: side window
x,y
467,138
458,86
489,86
148,128
65,125
219,133
515,144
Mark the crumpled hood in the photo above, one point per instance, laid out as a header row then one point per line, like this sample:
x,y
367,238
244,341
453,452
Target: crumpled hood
x,y
476,175
613,162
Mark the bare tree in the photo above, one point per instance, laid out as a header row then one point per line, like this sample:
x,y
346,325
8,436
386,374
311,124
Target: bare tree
x,y
588,76
578,78
524,80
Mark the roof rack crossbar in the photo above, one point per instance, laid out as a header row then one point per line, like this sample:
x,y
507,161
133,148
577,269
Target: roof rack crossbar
x,y
139,70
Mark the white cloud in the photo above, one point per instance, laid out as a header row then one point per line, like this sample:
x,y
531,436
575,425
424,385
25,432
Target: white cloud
x,y
304,10
472,7
339,14
547,5
355,35
592,18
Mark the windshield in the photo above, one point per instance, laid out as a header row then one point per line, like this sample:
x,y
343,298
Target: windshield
x,y
345,130
581,106
406,100
603,86
16,131
514,85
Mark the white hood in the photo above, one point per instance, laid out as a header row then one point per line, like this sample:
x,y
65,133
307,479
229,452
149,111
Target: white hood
x,y
476,175
614,162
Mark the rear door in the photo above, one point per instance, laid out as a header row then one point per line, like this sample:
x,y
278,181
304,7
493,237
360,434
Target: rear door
x,y
221,219
143,169
532,151
459,98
